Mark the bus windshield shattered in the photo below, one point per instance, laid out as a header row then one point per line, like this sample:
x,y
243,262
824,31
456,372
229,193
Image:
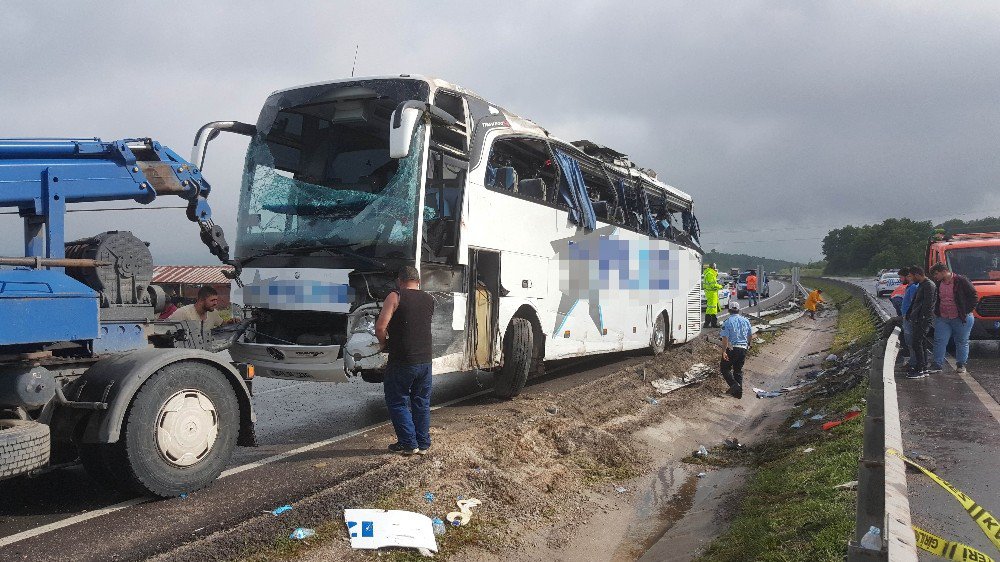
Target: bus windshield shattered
x,y
319,178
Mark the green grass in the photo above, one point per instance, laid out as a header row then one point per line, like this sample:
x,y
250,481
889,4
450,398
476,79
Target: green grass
x,y
790,510
855,325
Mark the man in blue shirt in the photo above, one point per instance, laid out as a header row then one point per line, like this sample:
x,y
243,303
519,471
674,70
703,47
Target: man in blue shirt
x,y
904,308
735,344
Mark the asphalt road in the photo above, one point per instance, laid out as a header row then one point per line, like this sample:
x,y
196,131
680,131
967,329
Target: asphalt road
x,y
953,420
39,516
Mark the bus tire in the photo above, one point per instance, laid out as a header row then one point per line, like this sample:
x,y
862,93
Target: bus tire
x,y
658,339
177,436
24,446
518,343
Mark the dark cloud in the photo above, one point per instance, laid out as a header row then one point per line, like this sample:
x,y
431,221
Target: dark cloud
x,y
782,118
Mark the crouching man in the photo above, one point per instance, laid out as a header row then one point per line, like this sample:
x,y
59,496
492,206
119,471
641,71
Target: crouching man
x,y
735,344
403,329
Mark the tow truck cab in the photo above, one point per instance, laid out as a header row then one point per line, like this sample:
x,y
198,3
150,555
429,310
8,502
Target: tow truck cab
x,y
976,256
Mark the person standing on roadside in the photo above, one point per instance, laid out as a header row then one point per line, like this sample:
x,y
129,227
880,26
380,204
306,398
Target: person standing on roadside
x,y
904,308
957,298
735,345
752,288
920,315
896,297
403,329
710,285
813,301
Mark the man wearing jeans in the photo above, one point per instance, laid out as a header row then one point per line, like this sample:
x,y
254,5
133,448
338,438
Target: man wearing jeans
x,y
735,344
956,300
404,330
751,282
904,308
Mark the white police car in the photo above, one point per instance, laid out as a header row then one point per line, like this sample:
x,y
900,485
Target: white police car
x,y
725,293
887,282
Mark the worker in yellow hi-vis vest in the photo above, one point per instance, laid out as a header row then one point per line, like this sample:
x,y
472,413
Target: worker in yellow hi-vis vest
x,y
710,285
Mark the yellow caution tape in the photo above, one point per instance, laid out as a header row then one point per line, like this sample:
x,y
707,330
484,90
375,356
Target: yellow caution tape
x,y
986,522
948,549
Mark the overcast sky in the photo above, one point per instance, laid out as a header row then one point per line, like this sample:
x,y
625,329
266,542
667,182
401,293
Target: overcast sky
x,y
782,119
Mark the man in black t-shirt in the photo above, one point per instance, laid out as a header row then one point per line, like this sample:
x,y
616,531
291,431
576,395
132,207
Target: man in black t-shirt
x,y
403,329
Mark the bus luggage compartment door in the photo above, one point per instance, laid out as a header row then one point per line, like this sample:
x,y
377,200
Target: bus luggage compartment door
x,y
483,308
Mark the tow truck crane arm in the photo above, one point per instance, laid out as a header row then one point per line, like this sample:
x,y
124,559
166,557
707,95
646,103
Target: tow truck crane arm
x,y
40,176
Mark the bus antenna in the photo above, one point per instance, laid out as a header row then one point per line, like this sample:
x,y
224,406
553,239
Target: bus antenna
x,y
353,66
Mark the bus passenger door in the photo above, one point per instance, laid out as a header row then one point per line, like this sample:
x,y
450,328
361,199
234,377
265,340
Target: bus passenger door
x,y
483,308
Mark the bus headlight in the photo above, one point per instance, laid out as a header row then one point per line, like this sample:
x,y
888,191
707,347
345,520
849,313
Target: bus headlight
x,y
366,323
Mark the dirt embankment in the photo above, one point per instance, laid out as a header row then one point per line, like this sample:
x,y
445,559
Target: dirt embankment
x,y
548,467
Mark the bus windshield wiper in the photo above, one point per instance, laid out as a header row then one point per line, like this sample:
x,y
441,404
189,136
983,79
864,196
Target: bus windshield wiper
x,y
340,249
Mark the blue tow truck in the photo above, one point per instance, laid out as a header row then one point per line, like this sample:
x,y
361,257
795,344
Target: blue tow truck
x,y
87,373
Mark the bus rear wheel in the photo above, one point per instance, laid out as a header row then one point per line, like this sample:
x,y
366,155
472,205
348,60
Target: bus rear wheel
x,y
518,343
658,340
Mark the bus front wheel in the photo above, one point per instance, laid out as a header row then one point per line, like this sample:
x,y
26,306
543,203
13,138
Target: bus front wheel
x,y
658,340
518,342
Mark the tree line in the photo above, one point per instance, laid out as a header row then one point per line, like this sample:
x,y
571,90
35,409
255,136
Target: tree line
x,y
743,261
890,244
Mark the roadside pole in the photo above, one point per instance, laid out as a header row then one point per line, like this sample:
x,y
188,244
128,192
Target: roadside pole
x,y
760,275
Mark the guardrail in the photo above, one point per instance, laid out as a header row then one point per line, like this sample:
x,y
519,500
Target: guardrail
x,y
882,498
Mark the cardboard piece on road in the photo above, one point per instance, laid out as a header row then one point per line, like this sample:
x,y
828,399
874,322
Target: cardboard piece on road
x,y
695,374
378,528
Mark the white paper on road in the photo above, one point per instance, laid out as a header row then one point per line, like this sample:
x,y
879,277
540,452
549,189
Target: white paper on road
x,y
378,528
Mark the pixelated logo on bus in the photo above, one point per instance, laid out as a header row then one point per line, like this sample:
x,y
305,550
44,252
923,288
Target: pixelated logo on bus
x,y
608,271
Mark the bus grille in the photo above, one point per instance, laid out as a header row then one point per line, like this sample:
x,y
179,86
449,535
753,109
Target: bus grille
x,y
694,312
989,307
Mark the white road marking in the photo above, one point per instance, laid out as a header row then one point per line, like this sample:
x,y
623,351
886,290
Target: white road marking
x,y
70,521
762,301
86,516
988,402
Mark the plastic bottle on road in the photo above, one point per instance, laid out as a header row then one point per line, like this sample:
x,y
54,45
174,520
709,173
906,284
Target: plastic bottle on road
x,y
302,533
438,525
872,539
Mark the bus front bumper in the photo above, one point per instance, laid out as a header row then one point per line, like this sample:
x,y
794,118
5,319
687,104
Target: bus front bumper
x,y
319,363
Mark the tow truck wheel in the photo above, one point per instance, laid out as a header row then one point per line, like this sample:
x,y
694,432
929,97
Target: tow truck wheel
x,y
24,446
178,433
518,343
658,340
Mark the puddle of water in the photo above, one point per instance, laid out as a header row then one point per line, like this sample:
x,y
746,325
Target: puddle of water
x,y
670,495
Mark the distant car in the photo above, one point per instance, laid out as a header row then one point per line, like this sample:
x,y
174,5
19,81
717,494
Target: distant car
x,y
881,272
886,283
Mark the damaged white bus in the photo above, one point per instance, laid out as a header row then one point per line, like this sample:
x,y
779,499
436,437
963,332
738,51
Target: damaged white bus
x,y
533,248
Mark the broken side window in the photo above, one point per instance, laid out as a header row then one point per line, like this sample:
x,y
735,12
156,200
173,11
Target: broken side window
x,y
522,166
600,191
444,193
573,190
453,138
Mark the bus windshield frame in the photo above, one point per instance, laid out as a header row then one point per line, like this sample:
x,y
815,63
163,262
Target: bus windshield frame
x,y
318,175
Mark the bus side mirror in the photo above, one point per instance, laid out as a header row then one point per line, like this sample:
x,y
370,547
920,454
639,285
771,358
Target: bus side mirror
x,y
401,126
404,122
209,131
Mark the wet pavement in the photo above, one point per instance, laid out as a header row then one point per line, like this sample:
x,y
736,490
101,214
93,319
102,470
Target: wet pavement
x,y
954,422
